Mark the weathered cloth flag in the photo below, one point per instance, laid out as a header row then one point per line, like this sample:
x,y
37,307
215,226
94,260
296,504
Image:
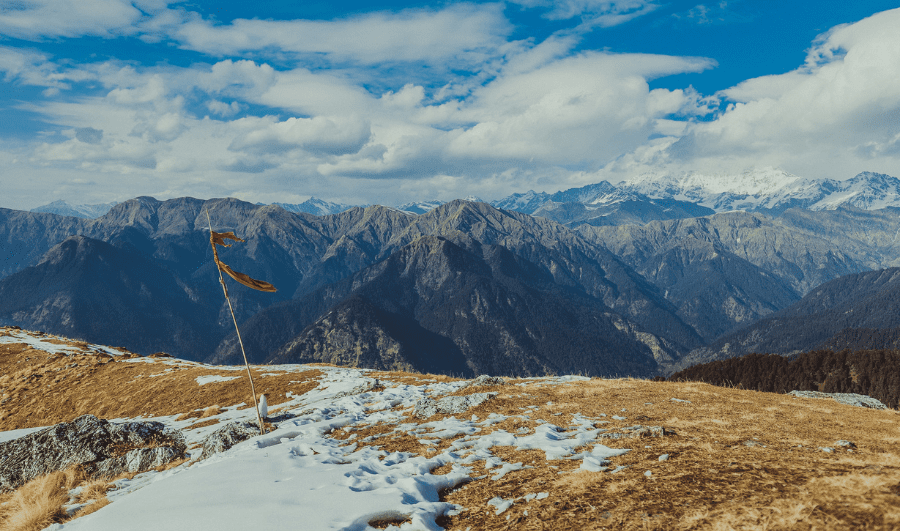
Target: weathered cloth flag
x,y
218,238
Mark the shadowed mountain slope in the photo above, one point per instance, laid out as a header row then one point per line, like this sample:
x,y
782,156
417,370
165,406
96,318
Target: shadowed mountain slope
x,y
463,307
95,291
826,316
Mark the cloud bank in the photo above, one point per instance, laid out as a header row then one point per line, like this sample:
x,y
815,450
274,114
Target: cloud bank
x,y
394,106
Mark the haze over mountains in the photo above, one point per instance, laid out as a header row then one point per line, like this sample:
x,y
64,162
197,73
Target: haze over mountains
x,y
629,281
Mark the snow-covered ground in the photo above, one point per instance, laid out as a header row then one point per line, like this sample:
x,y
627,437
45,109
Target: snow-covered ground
x,y
300,477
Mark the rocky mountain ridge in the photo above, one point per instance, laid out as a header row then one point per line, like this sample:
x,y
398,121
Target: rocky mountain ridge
x,y
673,285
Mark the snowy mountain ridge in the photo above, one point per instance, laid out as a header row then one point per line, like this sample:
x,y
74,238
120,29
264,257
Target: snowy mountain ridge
x,y
315,206
64,208
770,189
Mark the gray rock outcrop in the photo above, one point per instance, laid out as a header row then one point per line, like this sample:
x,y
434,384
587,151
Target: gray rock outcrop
x,y
101,448
450,405
227,436
851,399
639,432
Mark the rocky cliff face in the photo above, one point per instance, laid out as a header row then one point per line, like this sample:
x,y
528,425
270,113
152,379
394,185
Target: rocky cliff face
x,y
464,308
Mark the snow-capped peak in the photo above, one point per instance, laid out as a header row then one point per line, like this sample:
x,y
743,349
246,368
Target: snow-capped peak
x,y
64,208
314,206
420,207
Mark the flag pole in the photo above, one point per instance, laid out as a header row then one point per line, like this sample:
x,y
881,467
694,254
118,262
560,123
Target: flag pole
x,y
262,429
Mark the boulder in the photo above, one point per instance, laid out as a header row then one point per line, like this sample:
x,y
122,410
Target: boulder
x,y
851,399
450,405
101,448
227,436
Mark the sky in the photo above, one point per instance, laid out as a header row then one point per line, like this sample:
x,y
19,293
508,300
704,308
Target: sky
x,y
395,101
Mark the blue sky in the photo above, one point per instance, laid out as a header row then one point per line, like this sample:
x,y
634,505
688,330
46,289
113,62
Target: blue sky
x,y
388,102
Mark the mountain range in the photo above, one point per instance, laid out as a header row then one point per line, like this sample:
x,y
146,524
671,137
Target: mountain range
x,y
644,198
466,287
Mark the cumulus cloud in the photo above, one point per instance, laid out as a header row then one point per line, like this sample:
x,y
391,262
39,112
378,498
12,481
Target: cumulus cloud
x,y
523,115
220,108
334,135
845,95
833,116
587,107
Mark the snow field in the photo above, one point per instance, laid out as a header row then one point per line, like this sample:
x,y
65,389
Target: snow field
x,y
300,477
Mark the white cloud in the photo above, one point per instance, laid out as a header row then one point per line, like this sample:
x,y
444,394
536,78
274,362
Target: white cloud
x,y
40,19
457,33
33,68
333,135
585,108
220,108
836,115
603,13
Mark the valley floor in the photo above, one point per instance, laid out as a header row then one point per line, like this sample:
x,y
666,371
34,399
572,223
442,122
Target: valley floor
x,y
345,450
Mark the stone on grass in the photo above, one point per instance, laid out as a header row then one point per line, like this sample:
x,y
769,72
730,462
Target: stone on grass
x,y
851,399
450,405
638,432
101,448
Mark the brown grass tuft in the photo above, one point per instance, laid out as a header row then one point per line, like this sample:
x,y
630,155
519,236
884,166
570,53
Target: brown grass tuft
x,y
39,502
211,411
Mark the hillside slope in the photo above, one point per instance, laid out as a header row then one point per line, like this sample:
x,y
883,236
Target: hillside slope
x,y
834,310
101,293
345,451
447,309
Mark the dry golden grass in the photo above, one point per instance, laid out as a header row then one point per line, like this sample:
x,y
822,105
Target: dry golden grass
x,y
711,480
44,389
37,504
40,502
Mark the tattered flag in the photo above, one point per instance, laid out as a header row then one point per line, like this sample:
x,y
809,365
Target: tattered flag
x,y
218,238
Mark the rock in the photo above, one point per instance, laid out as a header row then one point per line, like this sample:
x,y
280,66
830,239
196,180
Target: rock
x,y
450,405
484,379
846,444
851,399
227,436
101,448
638,432
368,385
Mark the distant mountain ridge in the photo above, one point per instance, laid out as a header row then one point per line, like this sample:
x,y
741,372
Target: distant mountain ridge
x,y
63,208
315,206
299,253
652,197
770,190
671,277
